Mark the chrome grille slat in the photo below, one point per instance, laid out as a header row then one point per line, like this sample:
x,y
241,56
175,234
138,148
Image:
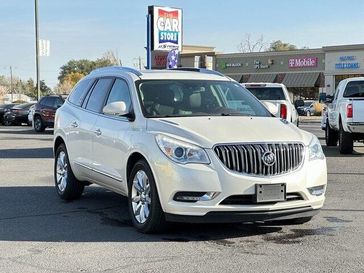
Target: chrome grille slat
x,y
247,158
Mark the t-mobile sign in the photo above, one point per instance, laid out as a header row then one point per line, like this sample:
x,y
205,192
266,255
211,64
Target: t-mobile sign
x,y
303,62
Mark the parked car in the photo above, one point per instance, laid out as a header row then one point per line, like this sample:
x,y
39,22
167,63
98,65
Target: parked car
x,y
307,109
191,146
343,120
45,110
30,115
17,115
276,98
3,109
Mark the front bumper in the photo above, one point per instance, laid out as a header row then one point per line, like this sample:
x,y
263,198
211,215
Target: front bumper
x,y
245,216
172,178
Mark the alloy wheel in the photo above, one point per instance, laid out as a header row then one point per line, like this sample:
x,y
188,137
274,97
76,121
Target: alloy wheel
x,y
141,197
61,171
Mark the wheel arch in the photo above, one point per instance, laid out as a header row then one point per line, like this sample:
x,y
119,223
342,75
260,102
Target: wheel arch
x,y
58,141
133,158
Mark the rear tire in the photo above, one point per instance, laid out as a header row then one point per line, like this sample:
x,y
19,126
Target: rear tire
x,y
67,186
346,143
38,124
331,136
144,206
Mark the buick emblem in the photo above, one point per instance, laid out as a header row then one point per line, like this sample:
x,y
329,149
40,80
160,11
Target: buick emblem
x,y
269,158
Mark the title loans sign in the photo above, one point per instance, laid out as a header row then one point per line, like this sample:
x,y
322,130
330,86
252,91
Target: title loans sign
x,y
166,28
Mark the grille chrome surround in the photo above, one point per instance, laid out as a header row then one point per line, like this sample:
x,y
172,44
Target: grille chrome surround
x,y
246,158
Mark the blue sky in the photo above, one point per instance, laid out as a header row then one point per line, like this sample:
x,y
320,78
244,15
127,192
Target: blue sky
x,y
87,28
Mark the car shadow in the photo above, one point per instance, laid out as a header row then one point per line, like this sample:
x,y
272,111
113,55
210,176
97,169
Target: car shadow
x,y
45,152
334,152
24,130
37,214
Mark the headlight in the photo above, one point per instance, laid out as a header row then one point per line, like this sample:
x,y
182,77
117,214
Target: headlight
x,y
315,149
180,151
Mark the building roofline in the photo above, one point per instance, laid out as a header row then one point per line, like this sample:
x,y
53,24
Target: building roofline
x,y
272,53
343,47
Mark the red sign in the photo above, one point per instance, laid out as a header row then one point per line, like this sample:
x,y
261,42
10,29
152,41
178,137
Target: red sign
x,y
303,62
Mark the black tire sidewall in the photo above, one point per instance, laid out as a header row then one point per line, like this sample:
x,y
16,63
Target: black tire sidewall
x,y
345,141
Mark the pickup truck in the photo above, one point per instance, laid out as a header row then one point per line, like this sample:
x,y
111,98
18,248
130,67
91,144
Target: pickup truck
x,y
343,120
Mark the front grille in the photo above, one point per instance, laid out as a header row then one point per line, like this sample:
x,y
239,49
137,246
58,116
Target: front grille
x,y
247,158
248,199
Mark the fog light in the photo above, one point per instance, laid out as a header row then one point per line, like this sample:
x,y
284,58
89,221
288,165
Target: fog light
x,y
317,191
193,196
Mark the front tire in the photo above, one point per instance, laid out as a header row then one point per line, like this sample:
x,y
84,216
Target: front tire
x,y
331,136
144,206
346,143
7,123
67,186
38,124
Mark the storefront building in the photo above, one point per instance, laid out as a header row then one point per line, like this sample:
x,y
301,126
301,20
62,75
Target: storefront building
x,y
305,72
342,62
302,71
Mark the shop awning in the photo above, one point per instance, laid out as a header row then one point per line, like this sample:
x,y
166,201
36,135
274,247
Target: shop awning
x,y
307,79
236,77
262,77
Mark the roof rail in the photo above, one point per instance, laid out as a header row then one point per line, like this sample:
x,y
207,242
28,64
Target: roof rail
x,y
117,68
201,70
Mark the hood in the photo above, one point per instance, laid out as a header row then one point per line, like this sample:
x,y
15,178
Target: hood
x,y
208,131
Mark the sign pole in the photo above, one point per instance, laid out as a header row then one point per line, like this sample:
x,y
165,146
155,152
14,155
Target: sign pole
x,y
149,42
37,46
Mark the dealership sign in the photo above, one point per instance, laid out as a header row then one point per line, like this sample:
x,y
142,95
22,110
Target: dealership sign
x,y
166,28
303,62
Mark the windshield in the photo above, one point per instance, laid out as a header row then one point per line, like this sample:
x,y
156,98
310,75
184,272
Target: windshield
x,y
180,98
267,93
354,90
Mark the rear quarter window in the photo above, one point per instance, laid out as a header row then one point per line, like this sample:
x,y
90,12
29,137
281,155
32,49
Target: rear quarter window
x,y
79,92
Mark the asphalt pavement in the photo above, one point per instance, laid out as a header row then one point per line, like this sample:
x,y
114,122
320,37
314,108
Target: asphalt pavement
x,y
41,233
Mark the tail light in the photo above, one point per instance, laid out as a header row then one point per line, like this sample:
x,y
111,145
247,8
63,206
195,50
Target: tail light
x,y
283,111
349,111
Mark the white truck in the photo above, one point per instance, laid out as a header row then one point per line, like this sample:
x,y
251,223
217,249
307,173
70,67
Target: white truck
x,y
275,97
343,120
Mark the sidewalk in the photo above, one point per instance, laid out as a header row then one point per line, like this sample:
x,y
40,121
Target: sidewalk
x,y
311,119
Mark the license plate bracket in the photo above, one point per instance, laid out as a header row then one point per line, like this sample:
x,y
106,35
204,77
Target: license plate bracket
x,y
266,193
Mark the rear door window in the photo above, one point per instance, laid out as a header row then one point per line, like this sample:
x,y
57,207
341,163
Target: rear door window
x,y
98,94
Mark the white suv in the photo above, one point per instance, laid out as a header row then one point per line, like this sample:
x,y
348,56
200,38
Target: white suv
x,y
276,98
189,146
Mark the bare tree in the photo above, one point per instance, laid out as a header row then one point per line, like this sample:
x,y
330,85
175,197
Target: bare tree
x,y
248,44
112,57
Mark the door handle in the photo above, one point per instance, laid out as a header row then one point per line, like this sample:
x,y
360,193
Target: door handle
x,y
98,132
74,124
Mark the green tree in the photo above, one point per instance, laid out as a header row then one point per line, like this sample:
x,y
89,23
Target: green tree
x,y
281,46
84,66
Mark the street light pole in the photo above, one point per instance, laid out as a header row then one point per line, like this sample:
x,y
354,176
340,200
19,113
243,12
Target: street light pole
x,y
11,83
37,46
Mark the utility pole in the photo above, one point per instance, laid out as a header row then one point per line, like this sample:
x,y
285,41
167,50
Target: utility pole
x,y
11,83
37,46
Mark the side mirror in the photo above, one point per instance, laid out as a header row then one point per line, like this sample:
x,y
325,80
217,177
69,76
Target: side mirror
x,y
329,99
272,108
116,108
299,103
